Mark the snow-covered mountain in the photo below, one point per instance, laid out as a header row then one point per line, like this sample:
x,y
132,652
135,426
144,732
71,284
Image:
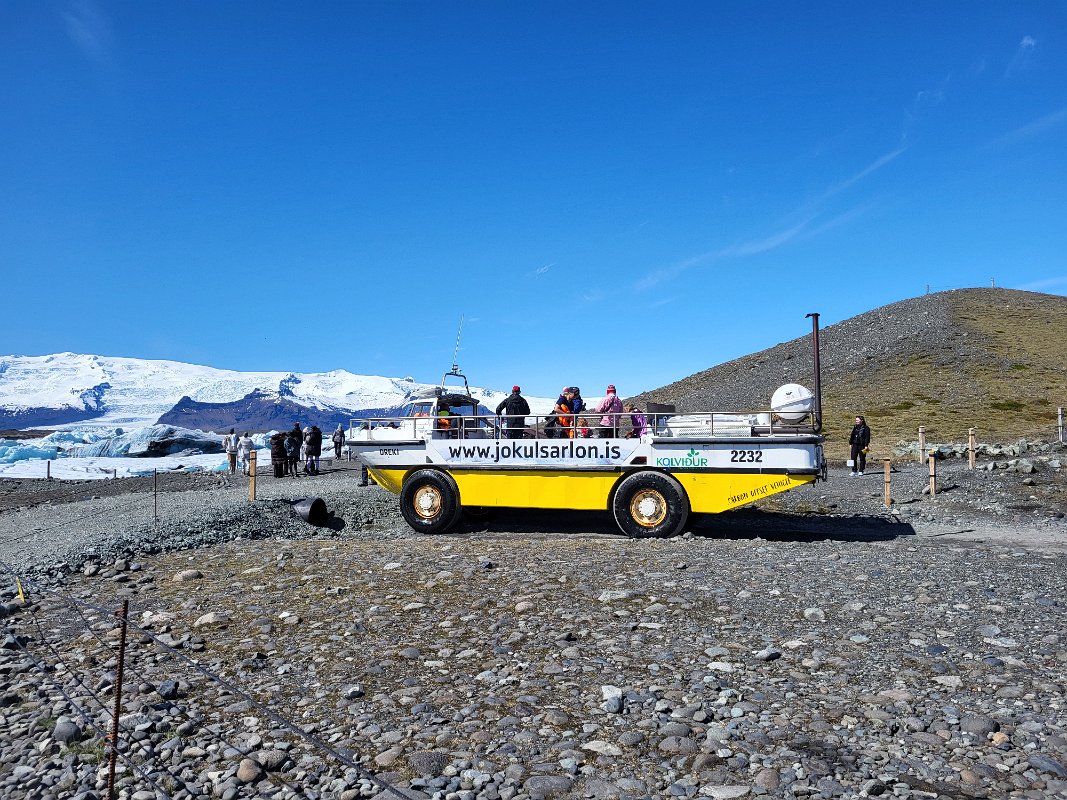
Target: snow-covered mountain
x,y
67,389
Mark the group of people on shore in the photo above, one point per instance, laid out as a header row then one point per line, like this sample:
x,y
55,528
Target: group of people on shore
x,y
238,450
567,420
288,449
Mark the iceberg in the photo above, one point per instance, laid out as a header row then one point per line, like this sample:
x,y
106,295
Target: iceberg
x,y
12,450
153,441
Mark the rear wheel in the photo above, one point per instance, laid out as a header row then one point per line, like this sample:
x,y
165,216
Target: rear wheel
x,y
429,501
650,504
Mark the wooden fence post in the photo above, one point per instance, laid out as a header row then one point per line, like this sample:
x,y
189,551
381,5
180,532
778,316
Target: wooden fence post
x,y
887,465
922,443
970,447
252,476
933,475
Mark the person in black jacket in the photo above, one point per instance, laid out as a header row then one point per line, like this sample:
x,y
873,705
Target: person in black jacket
x,y
277,454
860,439
516,408
294,440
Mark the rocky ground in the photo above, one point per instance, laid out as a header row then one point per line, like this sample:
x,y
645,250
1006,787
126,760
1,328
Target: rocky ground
x,y
818,645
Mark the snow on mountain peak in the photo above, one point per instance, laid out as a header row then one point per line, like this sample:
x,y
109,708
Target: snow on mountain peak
x,y
63,389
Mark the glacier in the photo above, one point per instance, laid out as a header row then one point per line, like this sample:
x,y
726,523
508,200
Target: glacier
x,y
74,391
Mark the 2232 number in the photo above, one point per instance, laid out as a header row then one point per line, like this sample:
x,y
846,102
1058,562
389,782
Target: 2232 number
x,y
746,456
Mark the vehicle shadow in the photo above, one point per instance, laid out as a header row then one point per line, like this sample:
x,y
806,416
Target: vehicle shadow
x,y
778,526
739,524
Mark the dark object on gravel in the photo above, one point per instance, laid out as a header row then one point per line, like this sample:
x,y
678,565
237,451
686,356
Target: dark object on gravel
x,y
312,510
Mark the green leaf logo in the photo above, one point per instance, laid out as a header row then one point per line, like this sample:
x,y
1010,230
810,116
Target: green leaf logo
x,y
692,453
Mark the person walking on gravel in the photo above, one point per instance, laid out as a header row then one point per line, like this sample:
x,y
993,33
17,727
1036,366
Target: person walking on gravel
x,y
860,439
338,441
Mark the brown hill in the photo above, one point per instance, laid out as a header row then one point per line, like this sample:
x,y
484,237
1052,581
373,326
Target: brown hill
x,y
994,359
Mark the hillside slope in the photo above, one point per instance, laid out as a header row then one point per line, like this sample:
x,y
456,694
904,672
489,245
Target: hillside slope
x,y
994,359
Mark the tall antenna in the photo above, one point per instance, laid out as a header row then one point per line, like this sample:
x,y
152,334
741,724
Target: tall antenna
x,y
455,354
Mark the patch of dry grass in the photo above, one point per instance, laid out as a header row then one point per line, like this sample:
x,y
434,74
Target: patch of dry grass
x,y
1005,378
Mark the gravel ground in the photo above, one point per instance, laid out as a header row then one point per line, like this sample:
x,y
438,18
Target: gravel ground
x,y
816,645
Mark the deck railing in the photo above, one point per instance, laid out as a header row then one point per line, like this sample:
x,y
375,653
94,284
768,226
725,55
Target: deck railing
x,y
584,425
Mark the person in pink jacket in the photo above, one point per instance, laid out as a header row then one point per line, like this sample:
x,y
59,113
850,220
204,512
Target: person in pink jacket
x,y
610,407
638,421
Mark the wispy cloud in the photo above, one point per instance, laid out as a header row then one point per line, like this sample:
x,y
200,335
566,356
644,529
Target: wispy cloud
x,y
1029,131
1023,57
749,248
544,268
870,169
805,215
922,104
1046,283
89,30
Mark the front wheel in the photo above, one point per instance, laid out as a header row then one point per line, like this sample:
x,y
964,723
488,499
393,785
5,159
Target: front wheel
x,y
429,501
650,504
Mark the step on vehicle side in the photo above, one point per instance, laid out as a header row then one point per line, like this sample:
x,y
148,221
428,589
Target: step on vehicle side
x,y
445,452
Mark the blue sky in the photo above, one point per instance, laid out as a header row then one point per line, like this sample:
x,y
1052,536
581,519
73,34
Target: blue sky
x,y
607,192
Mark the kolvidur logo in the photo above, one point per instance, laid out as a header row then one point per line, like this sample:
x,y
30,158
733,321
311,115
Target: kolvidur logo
x,y
694,458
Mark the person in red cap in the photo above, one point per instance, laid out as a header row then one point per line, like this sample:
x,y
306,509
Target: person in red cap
x,y
611,408
515,408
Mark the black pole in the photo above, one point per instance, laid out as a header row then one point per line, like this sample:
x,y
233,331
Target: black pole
x,y
818,370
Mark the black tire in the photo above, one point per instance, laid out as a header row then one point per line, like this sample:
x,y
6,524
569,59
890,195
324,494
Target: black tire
x,y
429,501
649,505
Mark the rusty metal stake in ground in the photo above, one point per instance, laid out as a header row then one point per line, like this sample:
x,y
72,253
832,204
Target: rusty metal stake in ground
x,y
122,614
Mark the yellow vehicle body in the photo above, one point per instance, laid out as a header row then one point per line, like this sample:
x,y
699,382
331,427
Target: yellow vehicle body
x,y
588,490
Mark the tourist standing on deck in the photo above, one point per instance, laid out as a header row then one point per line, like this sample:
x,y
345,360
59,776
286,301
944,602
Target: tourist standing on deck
x,y
638,421
860,439
610,407
577,403
515,408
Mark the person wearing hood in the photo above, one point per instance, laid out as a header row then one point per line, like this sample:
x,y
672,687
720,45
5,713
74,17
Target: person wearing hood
x,y
312,449
278,453
294,441
338,440
515,408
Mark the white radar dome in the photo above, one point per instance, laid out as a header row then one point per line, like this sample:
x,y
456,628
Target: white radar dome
x,y
792,402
